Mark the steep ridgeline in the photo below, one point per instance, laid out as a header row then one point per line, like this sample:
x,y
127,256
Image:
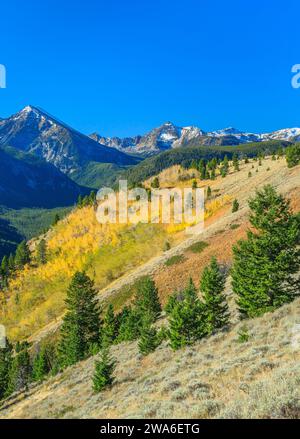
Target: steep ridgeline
x,y
169,136
33,130
27,181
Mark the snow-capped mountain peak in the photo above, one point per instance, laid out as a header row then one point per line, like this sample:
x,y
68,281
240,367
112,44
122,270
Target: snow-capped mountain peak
x,y
169,135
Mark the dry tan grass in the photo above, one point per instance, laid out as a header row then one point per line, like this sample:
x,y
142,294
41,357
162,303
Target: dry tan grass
x,y
218,377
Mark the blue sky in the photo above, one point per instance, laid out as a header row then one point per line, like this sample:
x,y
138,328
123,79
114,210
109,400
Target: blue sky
x,y
124,67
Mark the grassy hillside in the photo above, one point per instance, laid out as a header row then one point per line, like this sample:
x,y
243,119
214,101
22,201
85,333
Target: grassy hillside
x,y
248,370
185,155
224,376
110,253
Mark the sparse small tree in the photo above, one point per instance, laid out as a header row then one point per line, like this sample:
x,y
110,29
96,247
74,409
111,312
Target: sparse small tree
x,y
104,369
235,206
41,252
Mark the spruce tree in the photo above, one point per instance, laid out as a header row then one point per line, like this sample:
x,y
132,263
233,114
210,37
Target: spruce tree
x,y
235,162
208,192
265,272
147,300
293,155
5,366
104,369
5,266
148,340
187,319
224,167
109,329
40,365
81,325
42,252
235,206
11,263
22,256
212,287
56,219
129,327
19,375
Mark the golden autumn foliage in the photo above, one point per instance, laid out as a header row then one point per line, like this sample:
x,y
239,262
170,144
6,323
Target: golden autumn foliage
x,y
36,294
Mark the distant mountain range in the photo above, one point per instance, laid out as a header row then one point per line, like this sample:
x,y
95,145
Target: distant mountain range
x,y
34,130
169,136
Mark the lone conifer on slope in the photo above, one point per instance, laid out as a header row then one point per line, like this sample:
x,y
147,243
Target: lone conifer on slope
x,y
266,265
212,287
42,252
81,326
104,369
147,301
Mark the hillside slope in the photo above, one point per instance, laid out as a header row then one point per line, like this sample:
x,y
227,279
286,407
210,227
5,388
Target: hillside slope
x,y
219,377
27,181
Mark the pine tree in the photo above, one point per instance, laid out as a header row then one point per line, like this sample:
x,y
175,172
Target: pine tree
x,y
293,155
42,252
208,192
235,206
109,329
22,255
5,266
79,201
92,198
202,169
129,327
104,369
235,161
212,287
148,341
5,366
155,183
186,319
224,167
194,184
147,300
266,265
56,219
40,365
19,375
11,263
81,325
